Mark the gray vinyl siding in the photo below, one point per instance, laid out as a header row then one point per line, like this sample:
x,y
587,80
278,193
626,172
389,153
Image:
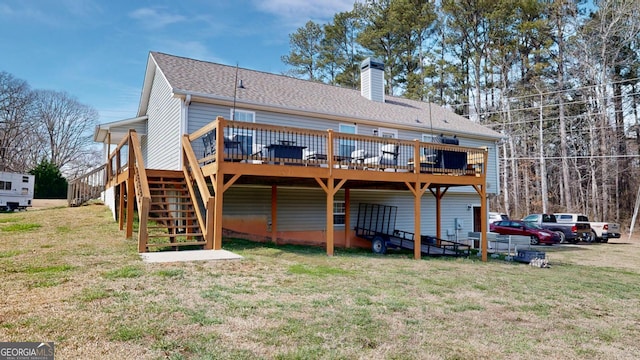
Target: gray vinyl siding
x,y
305,209
202,114
301,209
453,206
298,209
247,200
163,137
493,177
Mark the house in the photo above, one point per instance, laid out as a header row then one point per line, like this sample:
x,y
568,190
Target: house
x,y
299,156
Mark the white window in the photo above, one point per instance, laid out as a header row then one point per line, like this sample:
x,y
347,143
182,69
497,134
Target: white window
x,y
338,213
429,154
243,115
245,136
346,147
388,133
427,138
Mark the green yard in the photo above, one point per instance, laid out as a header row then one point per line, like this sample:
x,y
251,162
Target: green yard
x,y
69,276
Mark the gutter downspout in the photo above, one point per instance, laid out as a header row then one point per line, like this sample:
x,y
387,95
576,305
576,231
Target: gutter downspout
x,y
183,124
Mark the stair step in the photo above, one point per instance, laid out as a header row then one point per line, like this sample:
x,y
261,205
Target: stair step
x,y
170,190
194,226
176,211
165,235
177,218
169,202
163,216
153,196
164,183
190,243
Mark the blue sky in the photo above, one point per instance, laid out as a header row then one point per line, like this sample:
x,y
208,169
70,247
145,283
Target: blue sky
x,y
97,50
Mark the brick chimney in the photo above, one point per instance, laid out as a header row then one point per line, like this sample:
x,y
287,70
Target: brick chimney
x,y
372,79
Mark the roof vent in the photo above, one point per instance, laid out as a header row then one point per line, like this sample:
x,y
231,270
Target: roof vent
x,y
372,79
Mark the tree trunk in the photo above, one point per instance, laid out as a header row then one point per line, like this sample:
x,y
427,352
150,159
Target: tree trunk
x,y
543,164
564,153
527,186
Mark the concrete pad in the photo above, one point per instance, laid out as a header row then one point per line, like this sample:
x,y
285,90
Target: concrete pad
x,y
188,255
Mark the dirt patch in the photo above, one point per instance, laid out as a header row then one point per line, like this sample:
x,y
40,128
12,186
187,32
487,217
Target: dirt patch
x,y
39,204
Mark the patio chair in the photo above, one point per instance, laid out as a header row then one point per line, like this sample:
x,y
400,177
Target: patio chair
x,y
233,149
313,155
387,157
258,152
358,156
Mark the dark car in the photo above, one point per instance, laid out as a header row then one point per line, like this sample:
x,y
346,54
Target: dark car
x,y
537,234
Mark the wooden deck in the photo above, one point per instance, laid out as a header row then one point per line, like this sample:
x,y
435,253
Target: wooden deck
x,y
276,156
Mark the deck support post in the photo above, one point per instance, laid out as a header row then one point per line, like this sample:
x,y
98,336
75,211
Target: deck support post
x,y
438,213
417,239
418,190
347,218
121,205
209,223
439,194
131,198
330,232
274,214
218,186
481,189
109,169
330,188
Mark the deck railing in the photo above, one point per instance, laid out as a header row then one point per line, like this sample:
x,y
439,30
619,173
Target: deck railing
x,y
197,184
257,144
86,187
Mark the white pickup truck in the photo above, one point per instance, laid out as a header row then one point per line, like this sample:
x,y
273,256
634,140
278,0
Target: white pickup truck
x,y
600,231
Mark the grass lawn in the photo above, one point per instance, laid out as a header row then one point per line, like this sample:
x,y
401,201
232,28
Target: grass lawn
x,y
69,276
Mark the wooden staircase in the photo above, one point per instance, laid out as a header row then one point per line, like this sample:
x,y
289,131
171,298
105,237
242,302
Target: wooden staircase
x,y
172,221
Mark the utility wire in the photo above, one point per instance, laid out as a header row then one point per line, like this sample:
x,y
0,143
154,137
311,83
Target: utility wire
x,y
574,157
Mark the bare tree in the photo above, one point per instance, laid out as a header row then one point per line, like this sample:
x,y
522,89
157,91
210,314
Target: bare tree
x,y
609,31
86,161
542,160
64,126
560,11
16,127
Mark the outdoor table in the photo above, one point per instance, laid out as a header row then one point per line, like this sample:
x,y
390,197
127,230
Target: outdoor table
x,y
285,151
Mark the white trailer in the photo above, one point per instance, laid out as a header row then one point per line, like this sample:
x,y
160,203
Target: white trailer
x,y
16,191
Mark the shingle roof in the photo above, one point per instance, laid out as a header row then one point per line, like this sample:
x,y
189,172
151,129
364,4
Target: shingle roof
x,y
189,76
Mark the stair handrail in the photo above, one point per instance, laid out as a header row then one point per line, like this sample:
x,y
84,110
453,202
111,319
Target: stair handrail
x,y
193,172
138,165
138,173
